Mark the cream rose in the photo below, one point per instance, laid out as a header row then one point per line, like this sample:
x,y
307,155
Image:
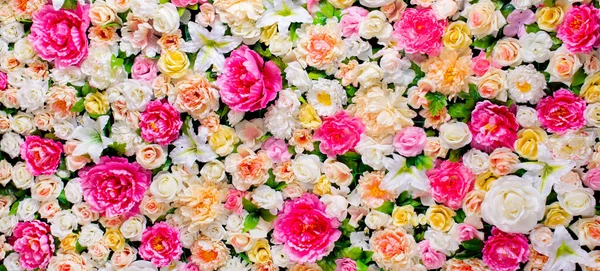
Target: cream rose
x,y
507,52
579,201
46,187
587,230
337,172
21,177
166,19
455,135
267,198
375,25
307,168
5,172
133,227
484,19
101,14
213,171
376,219
123,258
90,234
63,223
527,117
563,65
476,161
27,209
151,156
73,191
165,187
11,144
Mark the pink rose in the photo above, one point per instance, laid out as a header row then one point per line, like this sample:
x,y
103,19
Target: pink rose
x,y
188,267
432,259
592,179
580,30
234,200
247,82
351,18
277,150
33,242
160,123
3,81
419,32
144,69
466,232
185,3
480,64
410,141
493,126
450,183
345,264
306,231
160,244
60,35
41,155
339,133
505,251
114,186
562,112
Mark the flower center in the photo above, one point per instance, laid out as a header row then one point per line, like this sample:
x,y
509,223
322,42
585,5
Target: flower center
x,y
157,243
524,86
324,98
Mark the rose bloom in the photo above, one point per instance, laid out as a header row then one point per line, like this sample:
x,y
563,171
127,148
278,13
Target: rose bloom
x,y
185,3
493,126
247,82
209,255
248,168
420,32
69,261
41,155
277,150
394,249
144,69
562,112
505,251
592,179
345,264
33,242
234,200
60,35
307,232
160,244
351,19
588,231
432,259
339,133
503,161
580,29
410,141
114,186
450,182
160,123
368,188
195,95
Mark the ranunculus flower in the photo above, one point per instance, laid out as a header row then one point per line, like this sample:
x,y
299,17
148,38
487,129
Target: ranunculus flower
x,y
160,123
339,133
432,259
144,69
60,35
493,126
410,141
277,150
420,32
306,231
562,112
160,244
114,186
580,30
247,82
33,242
41,155
505,251
450,183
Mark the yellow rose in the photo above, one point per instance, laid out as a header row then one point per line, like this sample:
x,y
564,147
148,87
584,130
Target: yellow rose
x,y
174,64
404,215
439,217
457,36
341,4
69,242
556,216
223,140
322,187
548,18
590,91
96,103
308,117
260,252
484,181
114,239
527,142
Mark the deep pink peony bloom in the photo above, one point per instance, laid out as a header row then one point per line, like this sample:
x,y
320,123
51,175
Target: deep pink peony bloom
x,y
410,141
3,81
144,69
247,82
339,133
345,264
450,183
351,18
505,251
580,30
160,123
234,200
41,155
277,150
432,259
60,35
33,242
160,244
114,186
306,231
419,32
592,179
493,126
562,112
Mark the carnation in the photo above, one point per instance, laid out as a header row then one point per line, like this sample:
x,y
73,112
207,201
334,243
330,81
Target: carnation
x,y
160,123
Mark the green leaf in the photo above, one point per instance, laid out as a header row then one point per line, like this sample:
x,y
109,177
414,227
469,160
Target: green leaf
x,y
193,7
437,102
454,156
484,42
460,216
326,265
327,9
113,24
119,148
459,111
69,4
293,28
319,18
532,28
556,42
346,228
473,244
249,206
180,11
387,207
423,162
250,222
549,3
403,199
314,75
87,89
115,62
266,215
360,266
79,248
578,78
352,253
164,1
78,106
367,256
14,208
507,9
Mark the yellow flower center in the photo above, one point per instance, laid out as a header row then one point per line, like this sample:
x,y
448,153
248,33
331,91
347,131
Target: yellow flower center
x,y
524,86
324,98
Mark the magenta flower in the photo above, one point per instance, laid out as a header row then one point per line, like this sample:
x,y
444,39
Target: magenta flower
x,y
562,112
41,155
517,21
450,183
420,32
160,244
32,240
339,133
160,122
505,251
580,30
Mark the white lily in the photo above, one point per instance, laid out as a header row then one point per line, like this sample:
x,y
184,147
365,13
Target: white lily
x,y
547,170
211,46
565,252
91,136
401,178
283,13
191,147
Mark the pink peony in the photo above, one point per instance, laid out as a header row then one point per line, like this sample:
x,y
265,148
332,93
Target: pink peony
x,y
114,186
41,155
351,19
60,35
592,179
185,3
450,182
144,69
3,81
160,122
432,259
505,251
493,126
345,264
234,200
160,244
339,133
419,32
277,150
580,30
33,242
562,112
410,141
247,83
306,231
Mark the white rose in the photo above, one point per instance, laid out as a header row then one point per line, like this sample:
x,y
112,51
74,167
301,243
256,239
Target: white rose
x,y
455,135
215,231
213,171
579,201
166,19
151,156
12,262
541,238
90,234
446,243
527,117
337,206
235,223
563,66
297,76
144,9
23,50
22,123
27,209
83,213
98,251
46,188
5,172
71,74
141,266
12,31
165,187
280,257
476,161
63,223
73,191
375,25
375,3
280,45
483,19
8,223
361,49
64,128
397,69
21,177
267,198
11,144
247,30
536,46
133,227
307,168
372,152
187,238
592,115
123,258
32,95
513,205
376,219
444,8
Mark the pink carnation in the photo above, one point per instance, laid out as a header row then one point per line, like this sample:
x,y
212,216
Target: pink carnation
x,y
144,69
580,30
450,182
345,264
277,150
41,155
60,35
306,231
410,141
432,259
505,251
493,126
420,32
592,179
247,82
3,81
160,244
351,19
234,200
339,133
33,242
562,112
114,186
160,122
